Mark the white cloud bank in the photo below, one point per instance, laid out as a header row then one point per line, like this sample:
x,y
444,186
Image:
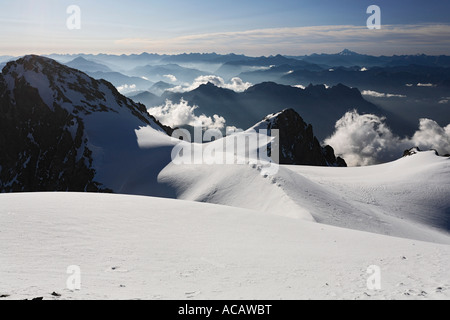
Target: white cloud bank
x,y
381,95
123,89
429,85
235,84
171,77
366,139
180,114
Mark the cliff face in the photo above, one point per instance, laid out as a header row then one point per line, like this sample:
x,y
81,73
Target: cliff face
x,y
298,145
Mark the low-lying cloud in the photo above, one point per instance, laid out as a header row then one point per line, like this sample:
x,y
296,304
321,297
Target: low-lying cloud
x,y
171,77
181,114
235,84
430,85
126,88
376,94
366,139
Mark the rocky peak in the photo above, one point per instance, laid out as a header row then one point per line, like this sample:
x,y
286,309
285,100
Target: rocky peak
x,y
298,145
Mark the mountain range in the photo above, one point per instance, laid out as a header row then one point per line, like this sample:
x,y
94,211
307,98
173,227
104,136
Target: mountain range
x,y
411,87
65,131
345,58
317,104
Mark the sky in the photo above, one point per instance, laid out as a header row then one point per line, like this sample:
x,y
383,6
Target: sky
x,y
252,27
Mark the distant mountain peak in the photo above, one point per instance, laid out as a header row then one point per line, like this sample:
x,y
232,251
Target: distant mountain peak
x,y
210,87
80,59
85,65
347,52
210,84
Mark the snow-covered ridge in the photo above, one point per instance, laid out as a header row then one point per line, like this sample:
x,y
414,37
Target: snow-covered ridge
x,y
69,88
407,198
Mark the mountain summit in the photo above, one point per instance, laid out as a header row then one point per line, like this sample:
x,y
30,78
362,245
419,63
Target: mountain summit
x,y
64,131
347,52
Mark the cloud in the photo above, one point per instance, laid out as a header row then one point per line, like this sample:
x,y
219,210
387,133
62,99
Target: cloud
x,y
171,77
432,136
126,88
426,85
180,114
444,101
381,95
260,68
235,84
366,139
396,39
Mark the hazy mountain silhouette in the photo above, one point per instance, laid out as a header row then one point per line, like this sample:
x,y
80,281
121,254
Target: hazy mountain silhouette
x,y
158,72
318,105
147,98
159,87
376,78
85,65
118,79
348,58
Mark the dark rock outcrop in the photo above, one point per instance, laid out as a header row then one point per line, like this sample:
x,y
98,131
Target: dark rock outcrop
x,y
411,152
298,145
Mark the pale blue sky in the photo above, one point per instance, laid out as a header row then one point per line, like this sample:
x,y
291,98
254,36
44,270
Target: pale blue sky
x,y
254,27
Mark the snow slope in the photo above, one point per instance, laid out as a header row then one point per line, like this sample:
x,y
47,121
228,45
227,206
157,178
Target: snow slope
x,y
131,247
406,198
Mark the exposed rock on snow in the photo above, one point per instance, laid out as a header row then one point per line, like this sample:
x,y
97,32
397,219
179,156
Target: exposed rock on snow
x,y
298,145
